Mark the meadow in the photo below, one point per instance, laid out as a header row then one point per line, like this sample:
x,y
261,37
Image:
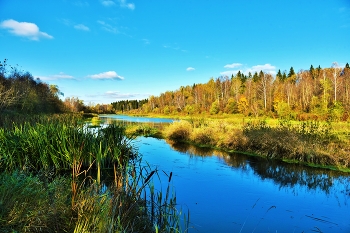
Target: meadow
x,y
313,143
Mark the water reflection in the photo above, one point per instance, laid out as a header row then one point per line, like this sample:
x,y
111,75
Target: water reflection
x,y
282,174
157,123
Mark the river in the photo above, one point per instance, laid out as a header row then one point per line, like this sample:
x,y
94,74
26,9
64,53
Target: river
x,y
239,193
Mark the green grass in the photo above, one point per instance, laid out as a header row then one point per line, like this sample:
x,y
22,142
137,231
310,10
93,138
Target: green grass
x,y
52,179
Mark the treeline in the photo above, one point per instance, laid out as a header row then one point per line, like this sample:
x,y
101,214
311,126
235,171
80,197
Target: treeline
x,y
20,92
317,93
127,105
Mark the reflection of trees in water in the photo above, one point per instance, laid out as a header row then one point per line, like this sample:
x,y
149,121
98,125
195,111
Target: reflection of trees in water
x,y
283,174
108,121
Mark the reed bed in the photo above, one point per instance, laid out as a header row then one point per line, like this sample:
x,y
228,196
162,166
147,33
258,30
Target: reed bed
x,y
53,178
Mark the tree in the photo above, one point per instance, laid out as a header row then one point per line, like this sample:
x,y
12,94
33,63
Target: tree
x,y
8,97
312,71
214,109
335,80
291,72
264,84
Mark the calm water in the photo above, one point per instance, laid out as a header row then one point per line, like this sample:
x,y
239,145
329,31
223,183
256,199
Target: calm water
x,y
238,193
114,117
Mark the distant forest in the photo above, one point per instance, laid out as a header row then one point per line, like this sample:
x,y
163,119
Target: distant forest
x,y
127,105
317,93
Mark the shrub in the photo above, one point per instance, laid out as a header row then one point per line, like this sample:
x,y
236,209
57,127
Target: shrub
x,y
234,139
179,130
203,136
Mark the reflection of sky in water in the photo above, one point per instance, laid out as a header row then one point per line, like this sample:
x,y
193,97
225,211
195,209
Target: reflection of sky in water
x,y
260,197
136,119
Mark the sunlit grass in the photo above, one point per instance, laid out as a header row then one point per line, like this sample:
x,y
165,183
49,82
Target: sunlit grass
x,y
310,142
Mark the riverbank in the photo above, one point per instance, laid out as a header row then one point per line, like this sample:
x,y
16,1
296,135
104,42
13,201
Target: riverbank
x,y
311,143
53,179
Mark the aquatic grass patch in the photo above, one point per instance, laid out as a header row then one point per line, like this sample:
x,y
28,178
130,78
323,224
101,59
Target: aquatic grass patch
x,y
55,144
142,130
34,197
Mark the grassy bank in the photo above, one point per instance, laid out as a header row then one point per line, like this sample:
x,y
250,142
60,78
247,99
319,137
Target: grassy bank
x,y
57,175
312,143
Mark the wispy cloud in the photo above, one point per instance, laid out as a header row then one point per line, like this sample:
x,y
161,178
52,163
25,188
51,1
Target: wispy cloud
x,y
81,27
267,68
233,65
190,68
115,95
109,75
146,41
119,95
24,29
61,75
108,27
124,4
174,46
108,3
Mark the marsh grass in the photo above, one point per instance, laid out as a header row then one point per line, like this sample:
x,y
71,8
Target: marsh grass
x,y
51,180
307,142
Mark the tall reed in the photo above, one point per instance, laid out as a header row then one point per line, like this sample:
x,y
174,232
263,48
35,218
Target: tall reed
x,y
38,195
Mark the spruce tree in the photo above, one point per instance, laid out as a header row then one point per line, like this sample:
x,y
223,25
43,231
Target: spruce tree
x,y
312,71
279,75
291,72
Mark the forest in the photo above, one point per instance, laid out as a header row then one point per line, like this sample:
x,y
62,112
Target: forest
x,y
314,94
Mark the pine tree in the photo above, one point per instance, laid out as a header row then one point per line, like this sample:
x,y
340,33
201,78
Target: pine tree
x,y
279,75
291,72
312,70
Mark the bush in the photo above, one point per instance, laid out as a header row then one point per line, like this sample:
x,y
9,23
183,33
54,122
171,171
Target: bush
x,y
203,136
233,140
178,131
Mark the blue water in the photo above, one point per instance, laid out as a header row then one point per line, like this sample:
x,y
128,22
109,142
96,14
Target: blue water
x,y
236,193
136,119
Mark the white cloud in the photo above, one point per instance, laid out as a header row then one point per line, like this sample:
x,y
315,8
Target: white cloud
x,y
119,95
233,65
61,75
108,3
130,6
81,27
267,68
109,75
229,73
108,27
122,3
24,29
190,69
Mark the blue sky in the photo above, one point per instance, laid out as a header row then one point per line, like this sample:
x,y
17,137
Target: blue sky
x,y
103,51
